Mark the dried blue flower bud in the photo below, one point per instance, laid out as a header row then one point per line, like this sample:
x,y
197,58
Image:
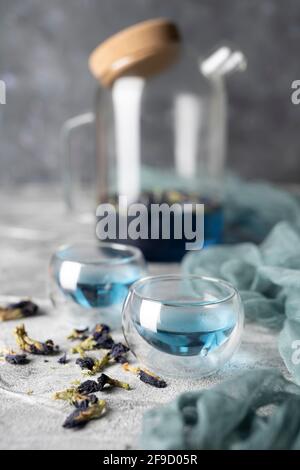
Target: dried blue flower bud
x,y
85,362
99,365
63,359
101,334
85,401
78,334
100,329
104,342
16,359
32,346
150,379
80,417
27,307
121,359
106,380
118,353
87,387
14,311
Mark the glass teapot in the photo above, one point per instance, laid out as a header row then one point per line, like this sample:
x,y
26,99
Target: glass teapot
x,y
160,122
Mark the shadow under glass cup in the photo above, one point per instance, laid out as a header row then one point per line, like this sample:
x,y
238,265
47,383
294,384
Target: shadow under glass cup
x,y
183,326
89,281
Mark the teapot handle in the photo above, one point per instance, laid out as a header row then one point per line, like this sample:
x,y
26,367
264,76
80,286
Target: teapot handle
x,y
69,126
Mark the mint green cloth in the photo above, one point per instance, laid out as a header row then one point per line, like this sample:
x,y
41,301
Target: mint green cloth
x,y
268,279
267,275
253,209
225,417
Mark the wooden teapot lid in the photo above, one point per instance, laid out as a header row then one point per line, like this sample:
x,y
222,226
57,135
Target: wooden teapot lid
x,y
144,49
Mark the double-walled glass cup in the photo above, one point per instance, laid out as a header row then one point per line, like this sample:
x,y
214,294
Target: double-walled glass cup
x,y
183,326
89,281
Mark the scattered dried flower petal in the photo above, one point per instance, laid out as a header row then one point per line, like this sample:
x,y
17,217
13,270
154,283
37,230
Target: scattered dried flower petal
x,y
63,359
80,417
84,402
89,344
118,352
78,334
31,346
99,338
99,330
15,311
105,342
106,380
151,379
87,387
16,359
85,362
99,365
70,395
146,376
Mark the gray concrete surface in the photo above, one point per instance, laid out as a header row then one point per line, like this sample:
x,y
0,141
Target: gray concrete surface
x,y
32,224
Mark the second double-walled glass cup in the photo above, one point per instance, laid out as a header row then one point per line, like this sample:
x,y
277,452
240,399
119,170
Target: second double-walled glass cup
x,y
183,326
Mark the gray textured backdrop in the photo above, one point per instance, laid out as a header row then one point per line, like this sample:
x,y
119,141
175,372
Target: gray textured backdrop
x,y
44,46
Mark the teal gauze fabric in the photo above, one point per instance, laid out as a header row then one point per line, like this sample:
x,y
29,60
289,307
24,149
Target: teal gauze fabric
x,y
268,279
231,415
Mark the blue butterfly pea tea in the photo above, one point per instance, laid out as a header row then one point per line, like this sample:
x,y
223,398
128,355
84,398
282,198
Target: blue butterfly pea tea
x,y
186,326
90,281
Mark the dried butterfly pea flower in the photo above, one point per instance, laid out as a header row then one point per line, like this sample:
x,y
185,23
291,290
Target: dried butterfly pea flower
x,y
106,380
118,352
87,387
89,344
16,359
104,342
101,334
85,362
100,329
70,395
99,365
78,334
31,346
63,359
146,376
79,417
99,338
15,311
121,359
151,379
84,402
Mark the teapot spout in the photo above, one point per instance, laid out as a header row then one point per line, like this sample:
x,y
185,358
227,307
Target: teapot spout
x,y
223,61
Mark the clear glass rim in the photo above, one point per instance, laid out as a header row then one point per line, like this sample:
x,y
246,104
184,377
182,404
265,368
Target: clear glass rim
x,y
134,253
178,277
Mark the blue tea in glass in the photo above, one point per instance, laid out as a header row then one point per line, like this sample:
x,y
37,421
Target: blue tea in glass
x,y
90,281
185,326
